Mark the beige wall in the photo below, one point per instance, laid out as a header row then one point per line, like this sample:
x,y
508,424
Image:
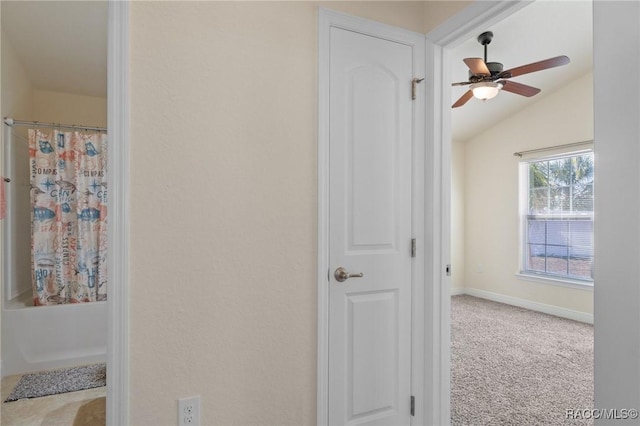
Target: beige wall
x,y
20,100
17,99
438,11
491,187
223,206
67,108
17,102
404,14
457,214
419,16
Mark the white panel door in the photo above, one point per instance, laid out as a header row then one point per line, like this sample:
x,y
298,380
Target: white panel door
x,y
370,230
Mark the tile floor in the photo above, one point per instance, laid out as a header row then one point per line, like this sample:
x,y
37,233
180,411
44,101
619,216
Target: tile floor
x,y
83,408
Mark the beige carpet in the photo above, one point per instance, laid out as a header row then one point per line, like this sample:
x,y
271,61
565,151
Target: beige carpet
x,y
512,366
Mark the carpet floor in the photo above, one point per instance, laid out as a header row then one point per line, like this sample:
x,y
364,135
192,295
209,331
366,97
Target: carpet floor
x,y
512,366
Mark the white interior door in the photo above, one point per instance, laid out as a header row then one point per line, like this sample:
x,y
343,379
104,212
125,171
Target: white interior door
x,y
370,190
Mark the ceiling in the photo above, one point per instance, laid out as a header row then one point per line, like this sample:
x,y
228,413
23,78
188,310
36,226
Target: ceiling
x,y
542,30
61,44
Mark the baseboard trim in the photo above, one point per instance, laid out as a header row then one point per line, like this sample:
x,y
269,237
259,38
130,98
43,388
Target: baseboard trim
x,y
455,291
527,304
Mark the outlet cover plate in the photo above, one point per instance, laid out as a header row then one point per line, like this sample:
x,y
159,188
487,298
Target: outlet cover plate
x,y
189,411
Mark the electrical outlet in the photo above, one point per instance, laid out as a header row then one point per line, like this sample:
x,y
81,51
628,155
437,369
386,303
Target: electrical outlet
x,y
189,411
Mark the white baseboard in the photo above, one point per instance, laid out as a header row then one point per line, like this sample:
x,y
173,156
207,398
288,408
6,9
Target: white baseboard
x,y
527,304
457,290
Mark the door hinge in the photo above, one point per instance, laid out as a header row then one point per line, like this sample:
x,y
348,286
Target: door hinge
x,y
413,247
413,405
414,83
448,269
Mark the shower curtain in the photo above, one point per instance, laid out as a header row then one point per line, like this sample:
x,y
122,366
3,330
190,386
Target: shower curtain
x,y
69,216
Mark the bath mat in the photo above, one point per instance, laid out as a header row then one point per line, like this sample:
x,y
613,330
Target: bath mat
x,y
59,381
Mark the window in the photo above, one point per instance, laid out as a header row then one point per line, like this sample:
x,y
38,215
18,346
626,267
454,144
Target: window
x,y
558,217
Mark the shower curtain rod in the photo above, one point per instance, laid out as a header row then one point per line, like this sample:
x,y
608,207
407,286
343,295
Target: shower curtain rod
x,y
532,151
11,122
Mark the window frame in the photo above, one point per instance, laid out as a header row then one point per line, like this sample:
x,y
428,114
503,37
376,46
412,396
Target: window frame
x,y
525,216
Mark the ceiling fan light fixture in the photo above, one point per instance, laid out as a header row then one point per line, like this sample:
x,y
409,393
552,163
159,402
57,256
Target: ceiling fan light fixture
x,y
485,90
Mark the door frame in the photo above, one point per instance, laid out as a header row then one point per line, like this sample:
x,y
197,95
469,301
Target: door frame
x,y
465,25
117,409
326,20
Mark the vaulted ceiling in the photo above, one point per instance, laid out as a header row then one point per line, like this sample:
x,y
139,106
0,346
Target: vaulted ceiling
x,y
63,46
541,30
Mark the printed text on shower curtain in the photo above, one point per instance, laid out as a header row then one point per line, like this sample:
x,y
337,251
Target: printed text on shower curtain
x,y
69,216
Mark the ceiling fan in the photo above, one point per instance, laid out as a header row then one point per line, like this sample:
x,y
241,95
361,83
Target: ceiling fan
x,y
488,78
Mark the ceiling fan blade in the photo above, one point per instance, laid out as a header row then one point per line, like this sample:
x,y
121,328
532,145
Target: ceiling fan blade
x,y
463,99
462,83
519,88
477,66
538,66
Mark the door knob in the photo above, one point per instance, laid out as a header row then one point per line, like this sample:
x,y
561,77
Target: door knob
x,y
342,275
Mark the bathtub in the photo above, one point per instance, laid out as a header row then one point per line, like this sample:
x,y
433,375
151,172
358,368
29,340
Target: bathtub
x,y
46,337
43,337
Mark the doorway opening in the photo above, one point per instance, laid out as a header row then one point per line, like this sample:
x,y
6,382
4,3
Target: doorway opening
x,y
488,251
13,106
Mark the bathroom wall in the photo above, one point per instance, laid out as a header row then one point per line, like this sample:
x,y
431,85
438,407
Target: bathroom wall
x,y
17,102
20,100
68,108
17,99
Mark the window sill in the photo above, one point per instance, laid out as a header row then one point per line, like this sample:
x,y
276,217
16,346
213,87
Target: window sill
x,y
562,282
